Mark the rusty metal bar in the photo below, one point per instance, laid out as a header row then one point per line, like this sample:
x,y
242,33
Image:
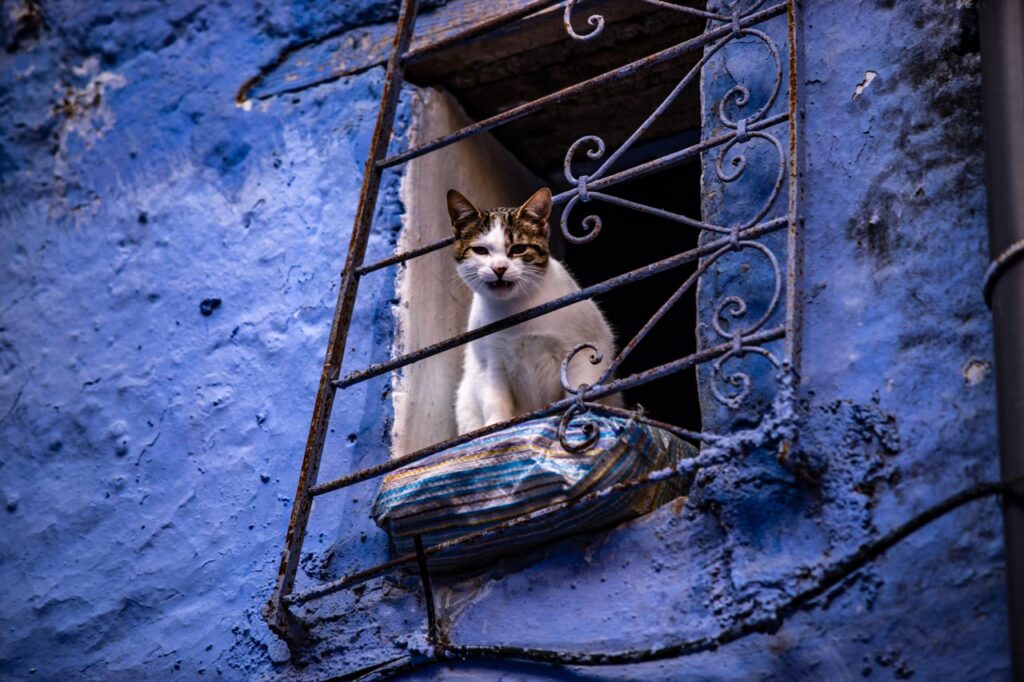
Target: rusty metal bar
x,y
794,245
653,166
428,592
685,434
595,392
362,576
606,78
276,613
637,275
1013,488
408,255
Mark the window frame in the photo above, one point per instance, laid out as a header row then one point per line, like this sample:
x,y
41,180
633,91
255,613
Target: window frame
x,y
777,423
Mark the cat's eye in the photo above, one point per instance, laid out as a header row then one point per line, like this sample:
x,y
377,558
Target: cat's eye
x,y
480,250
517,249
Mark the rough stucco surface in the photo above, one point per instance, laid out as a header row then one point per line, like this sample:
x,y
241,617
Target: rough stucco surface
x,y
148,452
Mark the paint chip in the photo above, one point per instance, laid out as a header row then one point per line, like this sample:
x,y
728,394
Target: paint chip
x,y
862,86
976,371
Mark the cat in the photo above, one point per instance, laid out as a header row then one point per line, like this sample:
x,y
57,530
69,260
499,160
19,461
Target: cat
x,y
503,255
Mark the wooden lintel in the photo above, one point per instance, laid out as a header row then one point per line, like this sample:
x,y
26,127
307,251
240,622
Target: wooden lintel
x,y
363,48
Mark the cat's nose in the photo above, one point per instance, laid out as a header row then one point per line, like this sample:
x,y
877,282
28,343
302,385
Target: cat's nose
x,y
499,270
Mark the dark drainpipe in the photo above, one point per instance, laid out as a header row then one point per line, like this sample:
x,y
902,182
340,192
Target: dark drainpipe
x,y
1002,62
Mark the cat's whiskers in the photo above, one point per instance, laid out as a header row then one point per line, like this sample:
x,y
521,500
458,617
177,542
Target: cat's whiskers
x,y
529,281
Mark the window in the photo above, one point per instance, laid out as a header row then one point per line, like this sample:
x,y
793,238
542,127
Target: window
x,y
736,275
504,166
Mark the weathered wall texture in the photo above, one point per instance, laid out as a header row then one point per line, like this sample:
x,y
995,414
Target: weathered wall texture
x,y
169,266
150,437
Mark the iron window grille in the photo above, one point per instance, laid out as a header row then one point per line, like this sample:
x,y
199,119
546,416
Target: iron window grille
x,y
734,341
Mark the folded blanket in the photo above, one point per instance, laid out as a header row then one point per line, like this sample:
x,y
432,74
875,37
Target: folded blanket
x,y
523,469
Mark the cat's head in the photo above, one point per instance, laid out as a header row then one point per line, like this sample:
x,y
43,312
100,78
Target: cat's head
x,y
501,253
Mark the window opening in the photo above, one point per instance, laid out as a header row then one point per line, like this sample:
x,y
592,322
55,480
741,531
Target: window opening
x,y
504,166
605,173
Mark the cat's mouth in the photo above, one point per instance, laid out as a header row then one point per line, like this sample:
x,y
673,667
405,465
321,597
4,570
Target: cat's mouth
x,y
500,285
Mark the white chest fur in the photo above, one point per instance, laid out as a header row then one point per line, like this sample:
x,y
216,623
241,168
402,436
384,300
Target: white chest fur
x,y
517,369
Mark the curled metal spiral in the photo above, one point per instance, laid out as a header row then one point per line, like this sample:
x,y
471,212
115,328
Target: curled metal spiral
x,y
739,95
731,162
737,379
590,431
736,307
596,22
731,310
596,151
592,223
739,162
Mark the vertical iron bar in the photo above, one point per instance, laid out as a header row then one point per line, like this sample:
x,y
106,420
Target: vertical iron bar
x,y
794,252
428,592
277,614
1002,64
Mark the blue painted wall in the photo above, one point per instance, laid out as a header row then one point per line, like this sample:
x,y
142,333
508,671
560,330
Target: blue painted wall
x,y
149,442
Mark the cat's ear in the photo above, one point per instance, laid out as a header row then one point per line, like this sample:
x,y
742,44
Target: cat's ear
x,y
537,208
461,210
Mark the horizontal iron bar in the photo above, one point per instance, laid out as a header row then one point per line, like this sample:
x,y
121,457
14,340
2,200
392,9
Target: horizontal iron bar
x,y
613,76
595,392
669,160
613,387
408,255
644,169
637,275
632,414
362,576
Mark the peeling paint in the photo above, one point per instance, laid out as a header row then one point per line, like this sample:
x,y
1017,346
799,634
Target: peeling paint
x,y
976,371
862,86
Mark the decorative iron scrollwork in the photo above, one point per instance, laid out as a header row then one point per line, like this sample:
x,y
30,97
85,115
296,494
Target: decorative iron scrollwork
x,y
590,431
729,385
597,21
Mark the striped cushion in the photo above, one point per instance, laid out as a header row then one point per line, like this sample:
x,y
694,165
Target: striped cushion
x,y
523,469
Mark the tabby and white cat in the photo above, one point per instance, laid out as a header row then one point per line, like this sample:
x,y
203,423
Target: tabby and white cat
x,y
503,255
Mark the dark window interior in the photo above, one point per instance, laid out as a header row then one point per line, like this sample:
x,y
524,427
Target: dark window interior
x,y
629,240
535,57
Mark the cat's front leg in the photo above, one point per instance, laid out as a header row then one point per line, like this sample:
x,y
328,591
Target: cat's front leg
x,y
496,399
467,407
468,413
